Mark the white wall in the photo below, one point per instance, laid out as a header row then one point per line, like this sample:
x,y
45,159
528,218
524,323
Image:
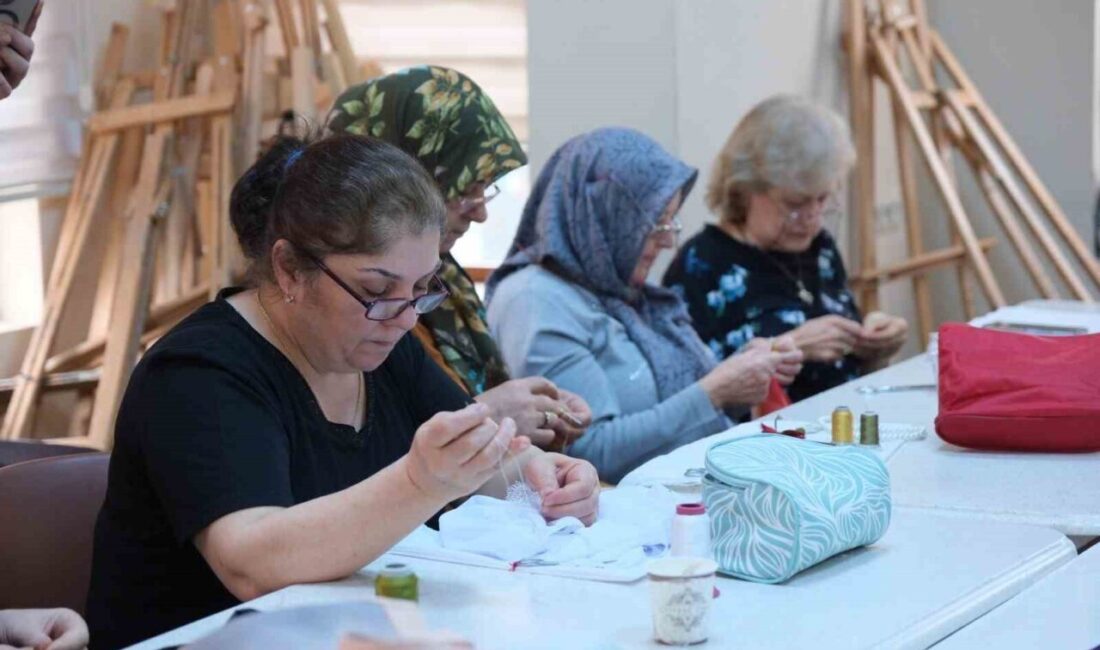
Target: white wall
x,y
594,63
1034,62
707,63
732,54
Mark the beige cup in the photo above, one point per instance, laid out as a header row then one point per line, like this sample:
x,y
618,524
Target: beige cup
x,y
681,589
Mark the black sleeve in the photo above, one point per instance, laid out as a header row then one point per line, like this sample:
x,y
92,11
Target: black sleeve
x,y
212,441
840,285
693,290
428,387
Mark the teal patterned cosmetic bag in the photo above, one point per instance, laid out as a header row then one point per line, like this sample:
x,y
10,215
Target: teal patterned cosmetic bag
x,y
779,505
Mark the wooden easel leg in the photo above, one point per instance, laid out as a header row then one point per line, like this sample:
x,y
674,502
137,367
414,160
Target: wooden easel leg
x,y
962,269
860,83
82,205
914,232
999,171
341,44
1001,208
910,201
135,278
113,57
1016,158
252,115
939,173
304,99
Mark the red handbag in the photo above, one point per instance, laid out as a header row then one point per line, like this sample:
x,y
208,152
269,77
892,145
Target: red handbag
x,y
1004,390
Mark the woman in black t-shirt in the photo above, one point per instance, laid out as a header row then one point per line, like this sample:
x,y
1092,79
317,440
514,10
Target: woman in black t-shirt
x,y
292,432
769,266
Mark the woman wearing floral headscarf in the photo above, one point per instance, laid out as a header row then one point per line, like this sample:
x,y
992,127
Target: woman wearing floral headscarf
x,y
444,119
572,303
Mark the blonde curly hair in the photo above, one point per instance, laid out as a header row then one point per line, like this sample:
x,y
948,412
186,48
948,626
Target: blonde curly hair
x,y
785,141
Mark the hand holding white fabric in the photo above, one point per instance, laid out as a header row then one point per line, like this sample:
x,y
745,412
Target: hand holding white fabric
x,y
454,454
568,487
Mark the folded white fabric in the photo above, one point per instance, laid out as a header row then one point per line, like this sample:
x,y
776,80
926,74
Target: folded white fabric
x,y
506,530
633,524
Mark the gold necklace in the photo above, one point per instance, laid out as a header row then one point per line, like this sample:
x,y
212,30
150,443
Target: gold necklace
x,y
359,390
803,293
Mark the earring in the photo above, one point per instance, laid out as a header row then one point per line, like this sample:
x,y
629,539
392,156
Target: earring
x,y
289,298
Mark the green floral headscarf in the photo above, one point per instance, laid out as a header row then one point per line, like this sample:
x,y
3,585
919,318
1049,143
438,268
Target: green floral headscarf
x,y
438,115
441,117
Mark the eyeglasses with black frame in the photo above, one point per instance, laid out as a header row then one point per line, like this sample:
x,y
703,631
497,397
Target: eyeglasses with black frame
x,y
384,309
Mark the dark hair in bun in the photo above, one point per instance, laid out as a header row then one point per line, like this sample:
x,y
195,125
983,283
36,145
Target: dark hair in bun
x,y
339,194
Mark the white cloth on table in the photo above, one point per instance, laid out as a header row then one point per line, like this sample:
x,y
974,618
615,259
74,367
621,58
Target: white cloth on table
x,y
506,530
633,527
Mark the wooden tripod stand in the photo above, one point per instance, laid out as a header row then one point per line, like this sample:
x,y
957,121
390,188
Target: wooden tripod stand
x,y
945,114
151,194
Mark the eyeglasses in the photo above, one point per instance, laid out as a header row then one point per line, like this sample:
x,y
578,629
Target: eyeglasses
x,y
804,210
465,204
390,308
674,227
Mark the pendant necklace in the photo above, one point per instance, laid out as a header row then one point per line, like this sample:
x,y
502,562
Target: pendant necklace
x,y
803,293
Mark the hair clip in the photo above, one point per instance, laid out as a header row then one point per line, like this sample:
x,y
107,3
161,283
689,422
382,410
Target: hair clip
x,y
291,158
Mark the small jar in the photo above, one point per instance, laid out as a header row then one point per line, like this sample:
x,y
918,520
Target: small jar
x,y
691,531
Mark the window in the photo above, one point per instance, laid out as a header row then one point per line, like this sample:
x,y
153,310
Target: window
x,y
21,281
40,123
40,127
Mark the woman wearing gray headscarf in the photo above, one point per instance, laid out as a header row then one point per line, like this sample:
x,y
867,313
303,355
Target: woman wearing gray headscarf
x,y
571,303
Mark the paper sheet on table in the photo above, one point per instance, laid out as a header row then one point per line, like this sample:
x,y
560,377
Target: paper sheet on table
x,y
669,470
613,549
1037,316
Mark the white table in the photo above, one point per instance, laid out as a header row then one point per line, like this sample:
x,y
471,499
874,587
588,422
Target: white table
x,y
1057,490
1060,611
928,577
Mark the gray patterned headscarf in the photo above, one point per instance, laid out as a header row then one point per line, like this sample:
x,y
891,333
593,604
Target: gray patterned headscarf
x,y
587,219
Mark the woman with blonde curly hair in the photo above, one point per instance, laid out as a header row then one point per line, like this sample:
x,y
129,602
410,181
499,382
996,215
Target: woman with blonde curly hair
x,y
770,266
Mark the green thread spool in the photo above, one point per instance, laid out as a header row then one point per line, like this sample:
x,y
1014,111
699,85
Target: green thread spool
x,y
868,428
397,581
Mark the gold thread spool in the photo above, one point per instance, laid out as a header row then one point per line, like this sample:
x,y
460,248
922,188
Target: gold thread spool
x,y
842,426
868,428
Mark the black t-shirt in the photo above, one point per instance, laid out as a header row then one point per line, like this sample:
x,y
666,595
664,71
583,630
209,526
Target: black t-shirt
x,y
215,420
736,292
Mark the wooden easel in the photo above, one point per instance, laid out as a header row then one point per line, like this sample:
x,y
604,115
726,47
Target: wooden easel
x,y
152,190
886,39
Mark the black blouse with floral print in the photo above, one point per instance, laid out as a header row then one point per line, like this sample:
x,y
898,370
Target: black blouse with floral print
x,y
736,292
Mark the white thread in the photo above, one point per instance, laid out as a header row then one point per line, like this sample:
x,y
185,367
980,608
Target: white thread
x,y
518,492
